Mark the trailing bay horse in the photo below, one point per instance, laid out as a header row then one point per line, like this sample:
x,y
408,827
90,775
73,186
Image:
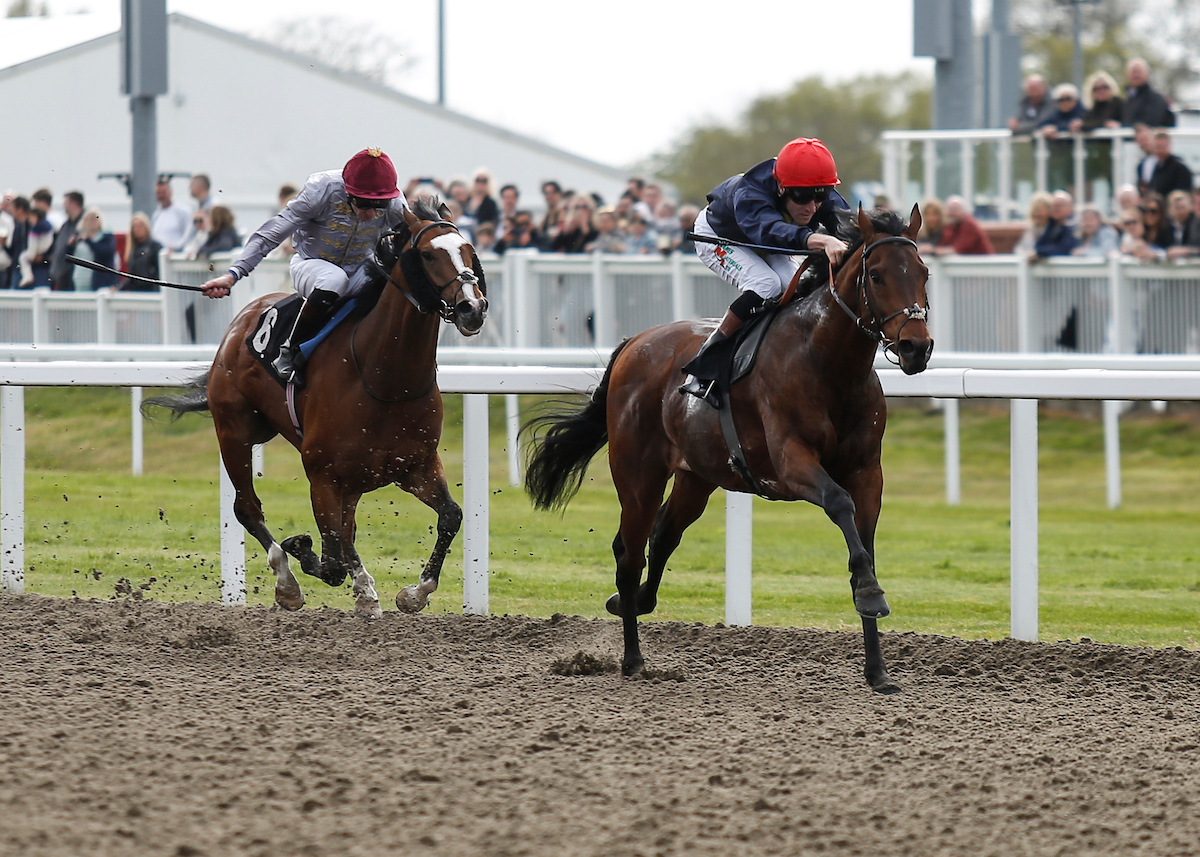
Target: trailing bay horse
x,y
370,415
810,418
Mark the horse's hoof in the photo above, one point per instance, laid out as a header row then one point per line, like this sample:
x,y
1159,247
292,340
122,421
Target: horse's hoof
x,y
613,605
631,668
871,605
886,688
297,545
289,599
411,599
368,608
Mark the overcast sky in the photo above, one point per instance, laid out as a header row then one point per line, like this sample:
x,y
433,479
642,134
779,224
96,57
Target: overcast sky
x,y
612,81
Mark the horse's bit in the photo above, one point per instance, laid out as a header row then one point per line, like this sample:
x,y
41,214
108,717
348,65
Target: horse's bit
x,y
875,331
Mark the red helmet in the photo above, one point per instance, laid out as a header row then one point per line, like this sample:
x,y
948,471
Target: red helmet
x,y
805,163
370,175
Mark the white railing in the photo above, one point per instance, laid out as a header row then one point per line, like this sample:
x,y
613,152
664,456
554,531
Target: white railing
x,y
998,172
1023,387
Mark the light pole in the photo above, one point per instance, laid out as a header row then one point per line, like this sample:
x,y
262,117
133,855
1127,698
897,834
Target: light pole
x,y
1076,30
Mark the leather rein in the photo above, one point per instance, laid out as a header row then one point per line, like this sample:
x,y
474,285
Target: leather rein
x,y
874,329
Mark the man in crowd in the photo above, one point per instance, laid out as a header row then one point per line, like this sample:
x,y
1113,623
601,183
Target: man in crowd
x,y
1036,107
1170,172
1058,238
1143,103
963,234
170,222
1183,227
62,272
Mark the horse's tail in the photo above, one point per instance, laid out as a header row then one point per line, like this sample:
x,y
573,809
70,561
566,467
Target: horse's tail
x,y
194,398
562,443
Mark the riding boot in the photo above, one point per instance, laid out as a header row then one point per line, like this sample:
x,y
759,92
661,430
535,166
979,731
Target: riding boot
x,y
290,362
710,364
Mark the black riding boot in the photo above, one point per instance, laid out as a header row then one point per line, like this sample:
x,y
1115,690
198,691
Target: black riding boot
x,y
290,362
709,364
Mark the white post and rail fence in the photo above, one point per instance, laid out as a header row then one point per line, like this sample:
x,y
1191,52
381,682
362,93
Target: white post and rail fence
x,y
1023,387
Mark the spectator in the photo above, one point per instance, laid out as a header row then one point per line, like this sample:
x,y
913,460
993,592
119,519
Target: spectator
x,y
8,227
555,210
18,241
1058,238
53,216
933,221
286,250
1103,105
201,190
609,238
197,235
1037,218
520,234
103,246
576,230
1034,108
624,208
34,261
1170,173
222,234
1143,103
485,238
1143,135
509,199
1183,227
62,272
1096,238
141,255
480,205
1154,218
170,221
1133,238
651,196
640,239
666,226
687,223
963,234
1056,127
1127,197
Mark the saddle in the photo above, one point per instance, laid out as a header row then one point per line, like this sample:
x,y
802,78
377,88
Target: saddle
x,y
276,323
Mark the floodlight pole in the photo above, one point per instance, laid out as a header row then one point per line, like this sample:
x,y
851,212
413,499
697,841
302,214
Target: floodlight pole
x,y
143,79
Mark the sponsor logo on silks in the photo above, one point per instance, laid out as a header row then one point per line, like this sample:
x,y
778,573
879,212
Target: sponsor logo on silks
x,y
724,259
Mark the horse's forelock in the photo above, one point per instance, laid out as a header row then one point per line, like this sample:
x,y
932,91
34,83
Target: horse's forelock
x,y
426,207
885,221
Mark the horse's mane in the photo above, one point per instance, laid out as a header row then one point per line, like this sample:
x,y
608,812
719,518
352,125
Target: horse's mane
x,y
885,221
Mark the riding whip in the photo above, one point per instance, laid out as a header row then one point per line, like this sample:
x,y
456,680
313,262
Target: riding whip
x,y
96,266
710,239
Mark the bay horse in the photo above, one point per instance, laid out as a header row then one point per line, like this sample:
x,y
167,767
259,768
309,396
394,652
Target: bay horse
x,y
370,414
810,418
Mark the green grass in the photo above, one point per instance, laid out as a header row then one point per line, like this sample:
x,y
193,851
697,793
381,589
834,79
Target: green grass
x,y
1126,576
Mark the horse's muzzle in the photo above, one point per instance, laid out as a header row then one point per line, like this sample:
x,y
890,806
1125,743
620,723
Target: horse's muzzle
x,y
914,354
469,317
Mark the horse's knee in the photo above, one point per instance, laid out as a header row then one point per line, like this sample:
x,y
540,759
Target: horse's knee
x,y
450,518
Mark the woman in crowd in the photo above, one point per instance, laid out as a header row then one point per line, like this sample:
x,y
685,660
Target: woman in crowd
x,y
1037,218
1102,104
1133,238
576,231
933,221
480,204
103,247
222,234
141,255
1154,219
609,238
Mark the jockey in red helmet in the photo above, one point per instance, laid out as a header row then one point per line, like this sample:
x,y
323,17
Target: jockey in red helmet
x,y
788,201
335,222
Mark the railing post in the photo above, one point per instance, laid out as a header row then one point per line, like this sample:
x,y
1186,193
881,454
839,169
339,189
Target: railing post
x,y
106,320
1004,178
137,430
603,305
1024,304
526,333
739,554
475,504
1112,451
512,424
951,451
1079,157
929,166
966,149
1023,514
12,489
683,302
1041,160
41,316
233,545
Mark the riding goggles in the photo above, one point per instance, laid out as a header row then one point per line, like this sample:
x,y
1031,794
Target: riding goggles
x,y
363,202
805,195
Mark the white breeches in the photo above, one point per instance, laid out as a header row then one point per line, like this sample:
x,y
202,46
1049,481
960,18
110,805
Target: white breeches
x,y
311,274
765,275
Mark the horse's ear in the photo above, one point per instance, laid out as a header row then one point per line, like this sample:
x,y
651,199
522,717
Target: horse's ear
x,y
914,223
865,227
445,213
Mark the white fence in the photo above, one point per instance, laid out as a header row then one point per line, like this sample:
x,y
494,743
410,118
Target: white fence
x,y
1023,387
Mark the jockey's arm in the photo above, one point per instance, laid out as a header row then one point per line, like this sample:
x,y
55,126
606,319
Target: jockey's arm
x,y
834,248
219,287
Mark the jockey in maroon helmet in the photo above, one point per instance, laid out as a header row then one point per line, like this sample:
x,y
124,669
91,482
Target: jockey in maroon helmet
x,y
335,222
788,201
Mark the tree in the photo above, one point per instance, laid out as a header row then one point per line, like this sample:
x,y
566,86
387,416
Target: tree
x,y
356,48
848,117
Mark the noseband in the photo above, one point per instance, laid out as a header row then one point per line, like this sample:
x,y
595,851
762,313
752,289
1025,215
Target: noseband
x,y
445,308
875,329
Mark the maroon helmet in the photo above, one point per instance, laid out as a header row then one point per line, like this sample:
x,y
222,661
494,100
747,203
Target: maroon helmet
x,y
370,175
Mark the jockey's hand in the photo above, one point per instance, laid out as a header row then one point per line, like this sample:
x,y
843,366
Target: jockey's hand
x,y
218,287
834,248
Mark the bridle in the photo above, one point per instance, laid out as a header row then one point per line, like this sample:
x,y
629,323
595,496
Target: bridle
x,y
445,309
874,329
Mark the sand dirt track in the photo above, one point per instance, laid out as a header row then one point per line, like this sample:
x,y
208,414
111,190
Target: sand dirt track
x,y
143,728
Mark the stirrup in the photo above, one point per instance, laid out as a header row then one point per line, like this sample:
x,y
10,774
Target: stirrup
x,y
703,390
288,367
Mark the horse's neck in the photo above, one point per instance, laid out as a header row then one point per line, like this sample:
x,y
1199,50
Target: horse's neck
x,y
840,345
396,345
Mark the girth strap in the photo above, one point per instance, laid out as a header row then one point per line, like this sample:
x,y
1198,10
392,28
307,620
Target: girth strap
x,y
737,455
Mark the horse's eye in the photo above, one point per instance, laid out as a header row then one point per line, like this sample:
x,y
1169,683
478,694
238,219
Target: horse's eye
x,y
426,255
875,278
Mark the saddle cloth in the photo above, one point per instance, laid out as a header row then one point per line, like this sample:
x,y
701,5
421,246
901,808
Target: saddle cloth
x,y
275,325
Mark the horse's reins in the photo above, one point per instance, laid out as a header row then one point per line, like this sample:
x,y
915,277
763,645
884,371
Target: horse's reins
x,y
875,331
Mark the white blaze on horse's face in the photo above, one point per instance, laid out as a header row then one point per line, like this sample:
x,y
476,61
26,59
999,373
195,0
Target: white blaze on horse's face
x,y
452,243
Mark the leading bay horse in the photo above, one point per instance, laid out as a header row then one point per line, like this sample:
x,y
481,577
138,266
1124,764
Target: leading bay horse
x,y
371,413
810,418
